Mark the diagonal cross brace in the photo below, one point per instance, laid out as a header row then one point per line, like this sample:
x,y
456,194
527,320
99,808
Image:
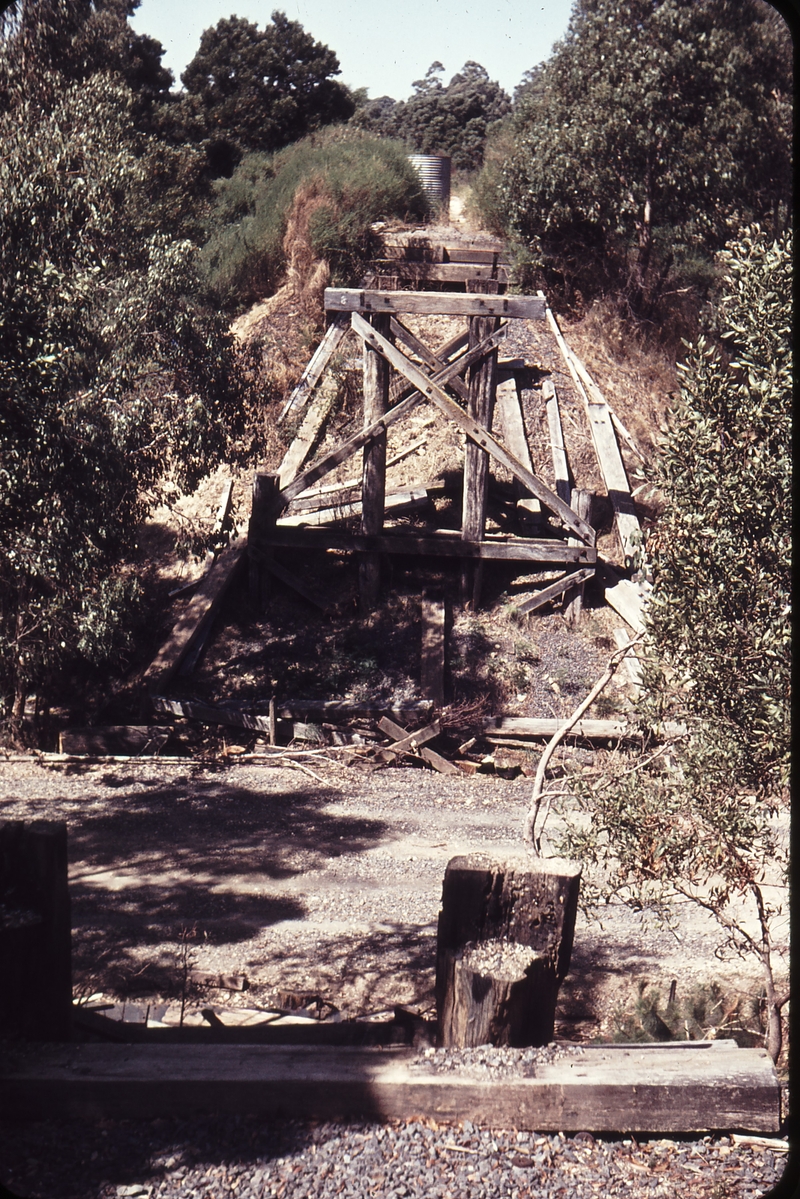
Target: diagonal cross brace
x,y
481,436
346,450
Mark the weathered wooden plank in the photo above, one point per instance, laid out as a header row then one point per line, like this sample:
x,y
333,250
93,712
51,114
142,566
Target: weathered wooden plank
x,y
593,1088
334,336
552,591
308,434
141,739
430,756
623,596
557,449
605,444
481,436
532,726
509,419
433,649
346,299
440,544
409,743
205,602
630,663
395,503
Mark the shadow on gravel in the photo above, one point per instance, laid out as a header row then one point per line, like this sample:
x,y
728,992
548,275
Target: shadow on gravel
x,y
190,861
79,1159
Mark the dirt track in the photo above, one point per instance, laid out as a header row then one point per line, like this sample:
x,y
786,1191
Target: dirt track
x,y
329,886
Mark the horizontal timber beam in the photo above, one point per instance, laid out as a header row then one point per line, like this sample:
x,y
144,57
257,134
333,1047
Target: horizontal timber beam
x,y
517,549
351,299
689,1087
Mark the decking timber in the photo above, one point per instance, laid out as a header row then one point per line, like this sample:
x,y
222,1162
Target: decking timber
x,y
692,1087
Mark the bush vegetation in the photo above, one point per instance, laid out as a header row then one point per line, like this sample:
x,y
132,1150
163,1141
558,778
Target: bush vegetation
x,y
331,185
700,818
650,137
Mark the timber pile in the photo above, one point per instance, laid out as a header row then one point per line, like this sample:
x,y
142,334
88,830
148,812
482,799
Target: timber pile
x,y
503,948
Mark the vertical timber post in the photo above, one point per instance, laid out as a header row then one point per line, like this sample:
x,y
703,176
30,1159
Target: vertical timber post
x,y
265,489
373,493
482,383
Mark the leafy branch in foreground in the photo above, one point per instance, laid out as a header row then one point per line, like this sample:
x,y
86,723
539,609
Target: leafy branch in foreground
x,y
705,818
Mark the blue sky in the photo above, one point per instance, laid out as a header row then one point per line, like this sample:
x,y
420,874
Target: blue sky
x,y
383,47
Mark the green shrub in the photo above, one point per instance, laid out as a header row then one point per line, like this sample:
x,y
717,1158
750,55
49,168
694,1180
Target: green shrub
x,y
323,193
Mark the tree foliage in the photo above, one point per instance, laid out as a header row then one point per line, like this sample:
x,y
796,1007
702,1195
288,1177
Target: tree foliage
x,y
112,375
655,130
332,186
698,819
453,120
251,89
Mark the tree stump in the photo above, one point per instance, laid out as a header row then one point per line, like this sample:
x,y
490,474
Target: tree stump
x,y
520,901
35,931
497,993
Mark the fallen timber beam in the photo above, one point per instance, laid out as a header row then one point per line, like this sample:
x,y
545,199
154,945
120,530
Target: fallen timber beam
x,y
329,710
202,608
310,430
557,448
441,544
697,1086
606,447
334,336
430,756
408,743
481,436
351,299
535,727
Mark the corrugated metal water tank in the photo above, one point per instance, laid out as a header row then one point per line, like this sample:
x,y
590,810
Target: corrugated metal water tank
x,y
434,171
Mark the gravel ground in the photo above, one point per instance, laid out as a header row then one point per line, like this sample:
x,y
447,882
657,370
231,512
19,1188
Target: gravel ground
x,y
243,1157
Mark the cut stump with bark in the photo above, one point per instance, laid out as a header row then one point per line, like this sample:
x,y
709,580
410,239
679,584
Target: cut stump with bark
x,y
497,993
520,901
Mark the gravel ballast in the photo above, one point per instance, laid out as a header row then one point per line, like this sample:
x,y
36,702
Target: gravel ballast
x,y
246,1158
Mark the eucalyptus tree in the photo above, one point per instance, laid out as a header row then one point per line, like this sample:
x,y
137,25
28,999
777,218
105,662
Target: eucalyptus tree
x,y
113,377
656,129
